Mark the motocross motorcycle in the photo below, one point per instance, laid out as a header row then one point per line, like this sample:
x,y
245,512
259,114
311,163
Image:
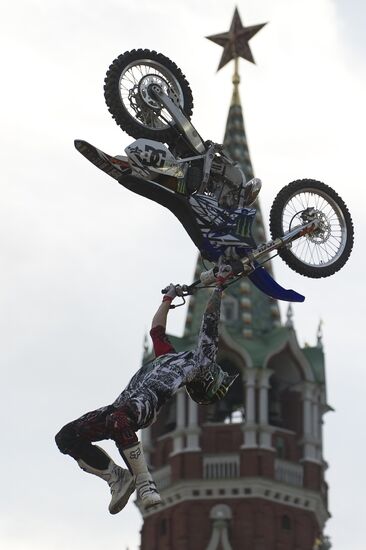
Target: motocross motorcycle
x,y
149,98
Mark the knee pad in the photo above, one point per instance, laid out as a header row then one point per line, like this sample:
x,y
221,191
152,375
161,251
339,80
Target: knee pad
x,y
121,428
66,439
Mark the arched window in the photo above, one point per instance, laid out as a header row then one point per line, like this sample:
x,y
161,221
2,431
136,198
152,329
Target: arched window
x,y
280,447
230,409
284,399
286,523
229,309
275,402
163,527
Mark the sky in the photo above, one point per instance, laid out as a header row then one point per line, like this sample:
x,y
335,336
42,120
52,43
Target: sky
x,y
83,260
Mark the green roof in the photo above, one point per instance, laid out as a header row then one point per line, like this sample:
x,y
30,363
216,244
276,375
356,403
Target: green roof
x,y
260,348
315,356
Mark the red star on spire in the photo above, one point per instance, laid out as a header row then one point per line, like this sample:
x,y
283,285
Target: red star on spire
x,y
235,41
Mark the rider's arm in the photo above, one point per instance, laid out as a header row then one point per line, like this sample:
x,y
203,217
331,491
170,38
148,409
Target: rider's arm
x,y
160,340
161,314
208,337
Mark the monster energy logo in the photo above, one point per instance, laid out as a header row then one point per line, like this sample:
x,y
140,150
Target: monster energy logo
x,y
243,226
181,188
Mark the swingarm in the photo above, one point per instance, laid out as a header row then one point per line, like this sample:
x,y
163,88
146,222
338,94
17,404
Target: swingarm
x,y
182,122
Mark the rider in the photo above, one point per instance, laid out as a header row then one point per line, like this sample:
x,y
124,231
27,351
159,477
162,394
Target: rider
x,y
137,406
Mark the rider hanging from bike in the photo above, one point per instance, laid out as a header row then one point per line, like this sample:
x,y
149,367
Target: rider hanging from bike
x,y
139,403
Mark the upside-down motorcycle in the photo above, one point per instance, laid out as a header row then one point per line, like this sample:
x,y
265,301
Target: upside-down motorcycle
x,y
149,98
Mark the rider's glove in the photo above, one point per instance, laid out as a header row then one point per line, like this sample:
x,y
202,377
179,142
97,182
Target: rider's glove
x,y
224,273
173,291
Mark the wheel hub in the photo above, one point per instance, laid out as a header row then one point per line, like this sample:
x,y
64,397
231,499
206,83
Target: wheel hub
x,y
322,233
154,82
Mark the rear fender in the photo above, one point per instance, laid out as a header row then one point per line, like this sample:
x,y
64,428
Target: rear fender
x,y
147,156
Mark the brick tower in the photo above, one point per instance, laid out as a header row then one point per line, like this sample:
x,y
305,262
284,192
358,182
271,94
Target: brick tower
x,y
229,479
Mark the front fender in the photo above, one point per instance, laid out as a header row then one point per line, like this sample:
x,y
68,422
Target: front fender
x,y
264,282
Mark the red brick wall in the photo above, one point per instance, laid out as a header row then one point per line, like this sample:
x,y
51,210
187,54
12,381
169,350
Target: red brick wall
x,y
226,438
186,466
293,451
256,462
256,525
161,452
313,476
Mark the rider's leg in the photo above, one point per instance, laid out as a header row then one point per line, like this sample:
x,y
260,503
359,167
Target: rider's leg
x,y
145,485
75,440
122,432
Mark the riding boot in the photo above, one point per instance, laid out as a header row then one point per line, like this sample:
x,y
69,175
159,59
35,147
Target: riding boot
x,y
120,481
145,485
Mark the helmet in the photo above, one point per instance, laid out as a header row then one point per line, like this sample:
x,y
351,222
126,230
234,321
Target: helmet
x,y
210,387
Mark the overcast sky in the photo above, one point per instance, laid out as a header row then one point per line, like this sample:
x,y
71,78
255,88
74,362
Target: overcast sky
x,y
83,260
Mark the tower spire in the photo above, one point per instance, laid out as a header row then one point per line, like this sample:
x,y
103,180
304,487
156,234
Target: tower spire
x,y
236,81
259,313
290,317
253,314
319,335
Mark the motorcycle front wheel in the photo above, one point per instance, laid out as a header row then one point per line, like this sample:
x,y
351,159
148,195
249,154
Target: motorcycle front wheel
x,y
126,92
324,251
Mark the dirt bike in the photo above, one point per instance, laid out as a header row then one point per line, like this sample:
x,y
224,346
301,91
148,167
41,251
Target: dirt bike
x,y
169,163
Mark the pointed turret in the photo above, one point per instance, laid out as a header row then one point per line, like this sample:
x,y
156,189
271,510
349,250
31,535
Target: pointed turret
x,y
261,313
319,335
235,140
289,317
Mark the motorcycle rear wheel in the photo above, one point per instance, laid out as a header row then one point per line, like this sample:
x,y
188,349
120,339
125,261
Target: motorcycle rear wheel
x,y
126,94
325,251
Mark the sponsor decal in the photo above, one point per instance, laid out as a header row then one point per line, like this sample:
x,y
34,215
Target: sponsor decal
x,y
135,454
243,226
150,156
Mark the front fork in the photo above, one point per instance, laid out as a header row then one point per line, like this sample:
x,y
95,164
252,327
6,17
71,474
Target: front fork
x,y
206,150
247,265
280,242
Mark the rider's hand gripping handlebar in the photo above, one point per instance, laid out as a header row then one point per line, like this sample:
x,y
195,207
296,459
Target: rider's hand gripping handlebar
x,y
182,291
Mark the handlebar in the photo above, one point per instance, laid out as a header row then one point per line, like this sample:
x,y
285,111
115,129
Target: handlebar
x,y
182,290
206,278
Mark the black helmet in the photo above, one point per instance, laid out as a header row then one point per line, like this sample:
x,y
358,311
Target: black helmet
x,y
210,387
